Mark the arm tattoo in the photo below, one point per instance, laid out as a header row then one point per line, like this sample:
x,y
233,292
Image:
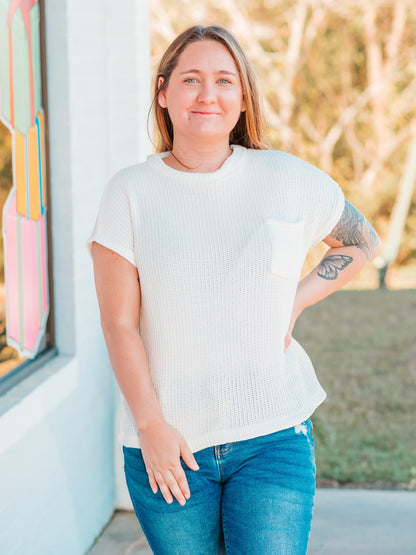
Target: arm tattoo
x,y
330,266
354,230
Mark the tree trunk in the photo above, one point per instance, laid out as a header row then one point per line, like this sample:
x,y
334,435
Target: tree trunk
x,y
399,213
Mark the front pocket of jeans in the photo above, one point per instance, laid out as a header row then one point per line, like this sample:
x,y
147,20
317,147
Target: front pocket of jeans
x,y
286,240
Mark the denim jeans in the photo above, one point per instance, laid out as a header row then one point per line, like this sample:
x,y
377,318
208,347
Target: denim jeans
x,y
248,497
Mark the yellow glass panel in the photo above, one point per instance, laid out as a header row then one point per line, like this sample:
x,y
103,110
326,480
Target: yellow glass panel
x,y
20,171
42,155
34,188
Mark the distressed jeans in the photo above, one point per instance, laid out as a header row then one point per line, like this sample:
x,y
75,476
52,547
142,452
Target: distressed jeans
x,y
248,497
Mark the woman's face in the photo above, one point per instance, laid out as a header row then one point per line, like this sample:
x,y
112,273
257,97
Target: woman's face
x,y
204,95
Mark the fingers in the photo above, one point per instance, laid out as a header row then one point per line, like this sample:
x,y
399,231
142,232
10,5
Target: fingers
x,y
170,485
170,482
152,480
164,467
183,483
188,457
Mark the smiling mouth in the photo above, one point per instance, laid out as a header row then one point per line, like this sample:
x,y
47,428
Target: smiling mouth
x,y
206,113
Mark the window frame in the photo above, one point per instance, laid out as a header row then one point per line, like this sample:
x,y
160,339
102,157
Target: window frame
x,y
26,368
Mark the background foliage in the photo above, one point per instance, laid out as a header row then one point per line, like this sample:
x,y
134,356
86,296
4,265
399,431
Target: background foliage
x,y
339,85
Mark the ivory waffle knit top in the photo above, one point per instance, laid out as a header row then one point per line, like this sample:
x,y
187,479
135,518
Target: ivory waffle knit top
x,y
219,256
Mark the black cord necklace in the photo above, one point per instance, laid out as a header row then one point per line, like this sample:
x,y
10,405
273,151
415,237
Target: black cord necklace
x,y
181,163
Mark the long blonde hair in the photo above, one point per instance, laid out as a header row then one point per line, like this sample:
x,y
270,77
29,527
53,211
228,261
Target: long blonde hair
x,y
249,129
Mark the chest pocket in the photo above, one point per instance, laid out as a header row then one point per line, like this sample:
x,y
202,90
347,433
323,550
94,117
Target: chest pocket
x,y
286,239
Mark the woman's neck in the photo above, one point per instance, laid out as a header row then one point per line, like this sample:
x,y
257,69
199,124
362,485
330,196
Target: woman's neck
x,y
198,159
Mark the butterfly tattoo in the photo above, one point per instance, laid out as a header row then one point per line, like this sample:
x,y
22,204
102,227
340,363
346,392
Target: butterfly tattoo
x,y
331,265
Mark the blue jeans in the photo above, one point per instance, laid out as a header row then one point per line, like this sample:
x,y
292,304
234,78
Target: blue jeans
x,y
248,497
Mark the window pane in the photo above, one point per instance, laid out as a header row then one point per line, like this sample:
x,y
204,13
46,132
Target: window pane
x,y
9,357
24,293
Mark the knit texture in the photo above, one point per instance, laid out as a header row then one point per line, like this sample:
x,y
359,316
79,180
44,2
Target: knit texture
x,y
219,256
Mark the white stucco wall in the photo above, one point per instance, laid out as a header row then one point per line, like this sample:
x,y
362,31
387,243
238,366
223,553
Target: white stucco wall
x,y
57,476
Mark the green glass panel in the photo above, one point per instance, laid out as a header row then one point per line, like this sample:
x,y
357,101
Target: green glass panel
x,y
35,35
20,74
4,61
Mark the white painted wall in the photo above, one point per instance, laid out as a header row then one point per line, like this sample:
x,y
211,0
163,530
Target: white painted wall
x,y
57,473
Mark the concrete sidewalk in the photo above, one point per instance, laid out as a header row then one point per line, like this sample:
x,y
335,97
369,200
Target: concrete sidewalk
x,y
370,522
345,522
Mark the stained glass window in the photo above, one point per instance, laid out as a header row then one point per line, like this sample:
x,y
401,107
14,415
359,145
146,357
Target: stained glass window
x,y
24,223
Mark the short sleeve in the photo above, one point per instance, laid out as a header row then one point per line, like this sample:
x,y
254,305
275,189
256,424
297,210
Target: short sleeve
x,y
325,203
114,226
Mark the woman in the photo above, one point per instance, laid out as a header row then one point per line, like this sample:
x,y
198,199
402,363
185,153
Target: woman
x,y
197,256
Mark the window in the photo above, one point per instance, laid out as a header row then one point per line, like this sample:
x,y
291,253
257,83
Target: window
x,y
24,291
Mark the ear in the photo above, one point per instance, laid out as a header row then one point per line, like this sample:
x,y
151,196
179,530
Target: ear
x,y
243,104
161,97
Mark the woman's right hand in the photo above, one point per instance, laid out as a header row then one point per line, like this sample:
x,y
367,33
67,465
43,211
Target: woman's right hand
x,y
162,446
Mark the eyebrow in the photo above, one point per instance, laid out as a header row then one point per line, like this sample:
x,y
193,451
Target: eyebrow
x,y
199,71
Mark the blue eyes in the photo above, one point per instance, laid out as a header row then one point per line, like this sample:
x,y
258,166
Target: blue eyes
x,y
193,80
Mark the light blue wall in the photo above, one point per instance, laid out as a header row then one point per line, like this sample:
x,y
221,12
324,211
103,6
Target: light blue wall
x,y
57,476
57,481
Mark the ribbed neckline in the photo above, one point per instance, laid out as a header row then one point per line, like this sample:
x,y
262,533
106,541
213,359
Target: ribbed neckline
x,y
197,179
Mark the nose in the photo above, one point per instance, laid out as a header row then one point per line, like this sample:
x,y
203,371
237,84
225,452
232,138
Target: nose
x,y
206,92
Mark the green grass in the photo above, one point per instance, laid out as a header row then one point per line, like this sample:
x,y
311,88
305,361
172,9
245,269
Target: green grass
x,y
363,347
